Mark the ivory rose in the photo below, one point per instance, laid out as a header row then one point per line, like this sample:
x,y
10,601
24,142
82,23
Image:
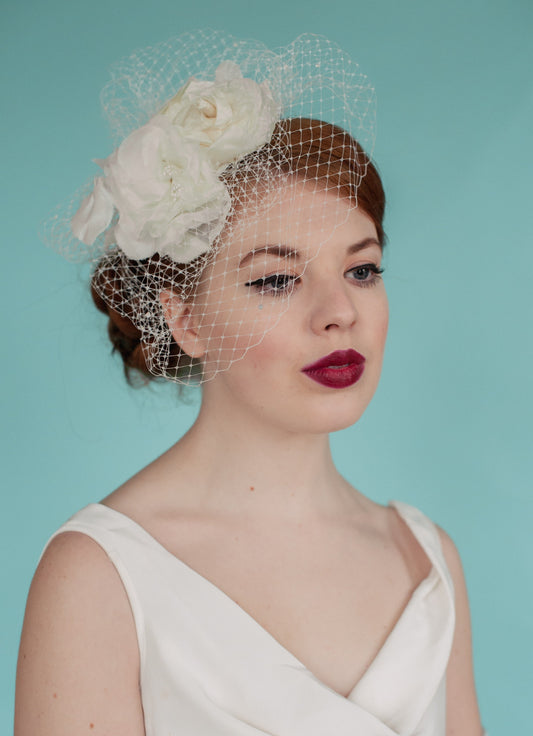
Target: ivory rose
x,y
163,180
168,197
230,117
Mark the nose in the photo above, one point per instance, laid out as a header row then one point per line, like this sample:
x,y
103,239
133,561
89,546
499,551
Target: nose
x,y
333,305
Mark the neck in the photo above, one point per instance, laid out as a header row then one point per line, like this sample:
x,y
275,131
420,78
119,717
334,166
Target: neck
x,y
241,462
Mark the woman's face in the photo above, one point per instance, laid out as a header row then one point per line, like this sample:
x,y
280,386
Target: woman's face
x,y
294,311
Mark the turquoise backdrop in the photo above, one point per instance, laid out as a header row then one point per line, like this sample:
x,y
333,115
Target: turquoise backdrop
x,y
450,428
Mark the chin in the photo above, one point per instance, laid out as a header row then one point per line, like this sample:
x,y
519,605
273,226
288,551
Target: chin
x,y
339,408
333,422
330,414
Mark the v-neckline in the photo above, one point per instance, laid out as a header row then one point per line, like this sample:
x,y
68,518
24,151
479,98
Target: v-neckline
x,y
202,580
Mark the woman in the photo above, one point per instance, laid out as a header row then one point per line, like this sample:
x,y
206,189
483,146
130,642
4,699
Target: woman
x,y
239,584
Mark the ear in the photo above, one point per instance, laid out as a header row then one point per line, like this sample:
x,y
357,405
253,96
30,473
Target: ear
x,y
182,324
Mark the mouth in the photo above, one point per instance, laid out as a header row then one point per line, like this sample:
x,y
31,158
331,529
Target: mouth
x,y
340,369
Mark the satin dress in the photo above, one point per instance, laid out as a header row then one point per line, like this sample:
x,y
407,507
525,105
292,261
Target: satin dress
x,y
207,668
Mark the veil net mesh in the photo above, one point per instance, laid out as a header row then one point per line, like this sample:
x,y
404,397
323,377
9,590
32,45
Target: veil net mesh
x,y
193,319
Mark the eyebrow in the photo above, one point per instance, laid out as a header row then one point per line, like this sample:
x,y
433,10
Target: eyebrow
x,y
283,251
279,251
366,243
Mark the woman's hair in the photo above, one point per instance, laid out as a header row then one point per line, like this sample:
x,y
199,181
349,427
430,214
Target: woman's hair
x,y
308,150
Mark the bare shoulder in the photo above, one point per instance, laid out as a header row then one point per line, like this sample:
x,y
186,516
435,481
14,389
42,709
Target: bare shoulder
x,y
69,557
78,660
452,556
463,716
75,576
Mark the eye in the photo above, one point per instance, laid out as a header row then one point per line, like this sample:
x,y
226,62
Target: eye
x,y
277,284
366,275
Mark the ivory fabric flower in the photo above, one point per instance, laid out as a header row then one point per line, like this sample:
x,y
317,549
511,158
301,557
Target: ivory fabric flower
x,y
94,214
230,117
163,179
168,197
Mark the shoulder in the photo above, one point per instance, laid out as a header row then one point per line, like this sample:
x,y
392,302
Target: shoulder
x,y
75,590
451,553
78,649
75,565
462,706
455,566
436,538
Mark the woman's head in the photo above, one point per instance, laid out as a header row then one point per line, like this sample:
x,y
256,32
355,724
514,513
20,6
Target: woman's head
x,y
302,151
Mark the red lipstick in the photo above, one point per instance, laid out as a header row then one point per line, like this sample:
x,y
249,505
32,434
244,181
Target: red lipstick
x,y
340,369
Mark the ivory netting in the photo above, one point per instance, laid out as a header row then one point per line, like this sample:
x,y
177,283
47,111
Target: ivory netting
x,y
220,191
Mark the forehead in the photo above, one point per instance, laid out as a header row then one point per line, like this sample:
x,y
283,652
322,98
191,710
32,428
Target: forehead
x,y
298,215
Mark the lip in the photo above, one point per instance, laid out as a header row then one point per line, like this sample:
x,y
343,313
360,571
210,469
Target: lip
x,y
339,369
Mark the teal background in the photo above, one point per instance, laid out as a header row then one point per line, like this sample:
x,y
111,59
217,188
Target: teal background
x,y
450,427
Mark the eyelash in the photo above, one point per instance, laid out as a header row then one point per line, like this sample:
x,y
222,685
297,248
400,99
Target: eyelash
x,y
374,273
280,284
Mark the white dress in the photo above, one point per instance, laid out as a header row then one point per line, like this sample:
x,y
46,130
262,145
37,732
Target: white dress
x,y
207,668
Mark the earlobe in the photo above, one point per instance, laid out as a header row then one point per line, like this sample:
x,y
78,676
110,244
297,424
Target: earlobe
x,y
182,324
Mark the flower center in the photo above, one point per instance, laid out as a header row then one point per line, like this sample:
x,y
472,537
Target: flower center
x,y
207,108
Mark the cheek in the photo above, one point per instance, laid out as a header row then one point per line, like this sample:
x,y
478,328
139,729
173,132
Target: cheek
x,y
265,354
235,327
261,375
381,319
255,380
385,321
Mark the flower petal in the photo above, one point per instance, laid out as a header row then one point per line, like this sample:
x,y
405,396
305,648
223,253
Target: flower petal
x,y
94,214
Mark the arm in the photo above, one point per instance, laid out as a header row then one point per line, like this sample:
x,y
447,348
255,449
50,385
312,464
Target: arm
x,y
78,669
462,711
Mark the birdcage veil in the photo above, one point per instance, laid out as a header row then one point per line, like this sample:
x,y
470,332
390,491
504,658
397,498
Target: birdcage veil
x,y
216,139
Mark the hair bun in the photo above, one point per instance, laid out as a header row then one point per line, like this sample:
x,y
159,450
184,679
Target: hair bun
x,y
125,337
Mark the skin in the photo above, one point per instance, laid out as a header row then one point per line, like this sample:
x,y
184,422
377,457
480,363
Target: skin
x,y
301,548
